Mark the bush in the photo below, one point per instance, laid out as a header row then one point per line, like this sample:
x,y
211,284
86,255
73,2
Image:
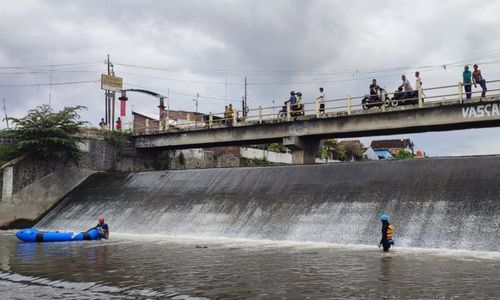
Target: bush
x,y
45,134
404,154
7,153
118,138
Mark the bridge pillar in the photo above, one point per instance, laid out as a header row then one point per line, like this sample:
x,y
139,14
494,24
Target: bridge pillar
x,y
304,149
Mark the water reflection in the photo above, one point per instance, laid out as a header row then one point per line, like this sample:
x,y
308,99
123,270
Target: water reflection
x,y
176,268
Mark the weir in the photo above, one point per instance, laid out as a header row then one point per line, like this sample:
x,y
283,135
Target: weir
x,y
435,203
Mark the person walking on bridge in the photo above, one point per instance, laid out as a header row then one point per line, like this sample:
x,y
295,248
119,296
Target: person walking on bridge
x,y
387,232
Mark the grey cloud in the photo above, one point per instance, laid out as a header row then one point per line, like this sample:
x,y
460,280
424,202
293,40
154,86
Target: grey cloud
x,y
252,36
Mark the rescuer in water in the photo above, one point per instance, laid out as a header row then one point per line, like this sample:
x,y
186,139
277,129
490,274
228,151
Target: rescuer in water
x,y
102,227
387,232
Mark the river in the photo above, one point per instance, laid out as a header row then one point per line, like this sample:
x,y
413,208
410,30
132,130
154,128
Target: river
x,y
130,266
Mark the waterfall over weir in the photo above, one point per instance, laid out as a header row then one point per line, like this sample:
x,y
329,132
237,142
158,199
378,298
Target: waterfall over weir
x,y
436,203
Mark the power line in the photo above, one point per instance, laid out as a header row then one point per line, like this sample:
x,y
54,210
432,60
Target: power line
x,y
53,83
182,93
49,66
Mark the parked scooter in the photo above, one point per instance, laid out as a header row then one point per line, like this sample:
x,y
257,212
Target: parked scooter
x,y
370,101
296,110
398,99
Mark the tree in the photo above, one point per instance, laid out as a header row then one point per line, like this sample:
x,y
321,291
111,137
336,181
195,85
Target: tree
x,y
45,134
332,149
404,154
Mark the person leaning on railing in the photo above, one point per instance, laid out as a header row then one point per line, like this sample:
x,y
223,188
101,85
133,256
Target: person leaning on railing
x,y
467,82
477,78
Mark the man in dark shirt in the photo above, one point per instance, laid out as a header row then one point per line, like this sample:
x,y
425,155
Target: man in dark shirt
x,y
374,90
102,227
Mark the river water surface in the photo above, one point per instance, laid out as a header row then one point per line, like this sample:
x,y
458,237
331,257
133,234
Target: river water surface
x,y
163,267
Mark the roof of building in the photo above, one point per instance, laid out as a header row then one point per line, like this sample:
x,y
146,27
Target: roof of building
x,y
388,144
145,116
351,142
172,111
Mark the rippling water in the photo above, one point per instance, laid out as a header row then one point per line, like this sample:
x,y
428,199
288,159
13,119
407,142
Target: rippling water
x,y
132,267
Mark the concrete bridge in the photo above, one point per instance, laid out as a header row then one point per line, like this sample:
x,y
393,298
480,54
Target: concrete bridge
x,y
444,108
303,135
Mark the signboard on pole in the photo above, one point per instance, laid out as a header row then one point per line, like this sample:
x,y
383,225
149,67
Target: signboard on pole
x,y
111,83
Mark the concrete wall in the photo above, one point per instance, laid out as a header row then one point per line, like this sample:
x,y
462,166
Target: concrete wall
x,y
27,205
271,156
202,159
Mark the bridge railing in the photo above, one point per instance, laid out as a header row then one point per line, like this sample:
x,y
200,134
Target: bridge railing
x,y
386,101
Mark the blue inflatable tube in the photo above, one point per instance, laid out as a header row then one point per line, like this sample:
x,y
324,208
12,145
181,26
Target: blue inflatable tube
x,y
35,235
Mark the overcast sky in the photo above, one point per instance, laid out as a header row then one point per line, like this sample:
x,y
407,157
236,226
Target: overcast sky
x,y
187,47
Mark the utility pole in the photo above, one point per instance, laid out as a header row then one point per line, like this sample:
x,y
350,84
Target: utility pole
x,y
168,103
106,101
245,99
225,94
110,99
50,88
196,101
5,111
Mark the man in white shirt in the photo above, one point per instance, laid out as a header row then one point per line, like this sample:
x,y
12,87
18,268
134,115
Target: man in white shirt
x,y
418,81
406,86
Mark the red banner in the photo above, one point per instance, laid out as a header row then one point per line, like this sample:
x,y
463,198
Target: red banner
x,y
123,108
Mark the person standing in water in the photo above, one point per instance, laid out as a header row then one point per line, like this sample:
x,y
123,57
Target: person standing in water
x,y
387,232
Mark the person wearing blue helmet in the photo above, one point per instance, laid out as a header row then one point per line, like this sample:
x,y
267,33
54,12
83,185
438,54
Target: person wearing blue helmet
x,y
387,232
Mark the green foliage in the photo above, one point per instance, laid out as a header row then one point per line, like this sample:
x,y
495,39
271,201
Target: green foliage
x,y
250,162
46,134
275,147
118,138
404,154
7,153
332,149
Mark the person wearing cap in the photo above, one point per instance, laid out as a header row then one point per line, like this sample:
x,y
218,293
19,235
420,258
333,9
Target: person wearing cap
x,y
102,227
387,232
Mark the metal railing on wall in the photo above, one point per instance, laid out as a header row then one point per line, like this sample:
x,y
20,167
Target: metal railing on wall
x,y
384,101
